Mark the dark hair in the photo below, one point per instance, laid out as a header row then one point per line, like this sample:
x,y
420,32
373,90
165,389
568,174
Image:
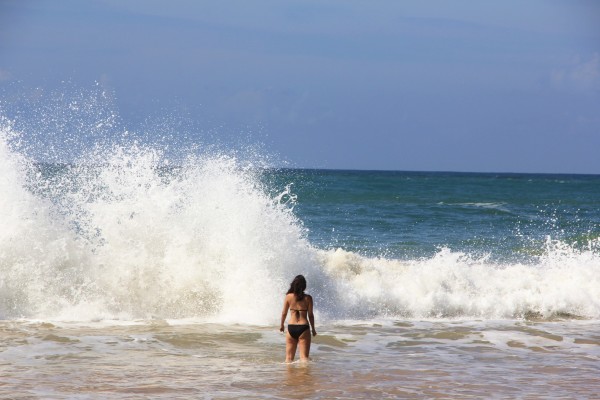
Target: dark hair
x,y
298,287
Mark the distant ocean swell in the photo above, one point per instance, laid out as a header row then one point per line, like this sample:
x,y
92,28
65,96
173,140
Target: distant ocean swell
x,y
118,236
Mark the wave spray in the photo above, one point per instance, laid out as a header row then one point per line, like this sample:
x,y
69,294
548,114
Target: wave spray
x,y
118,233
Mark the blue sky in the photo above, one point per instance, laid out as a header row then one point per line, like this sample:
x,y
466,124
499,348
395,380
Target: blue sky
x,y
492,86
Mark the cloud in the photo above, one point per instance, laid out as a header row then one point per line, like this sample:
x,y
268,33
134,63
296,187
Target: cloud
x,y
582,75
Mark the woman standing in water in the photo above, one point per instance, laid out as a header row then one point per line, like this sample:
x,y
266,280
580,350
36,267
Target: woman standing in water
x,y
301,310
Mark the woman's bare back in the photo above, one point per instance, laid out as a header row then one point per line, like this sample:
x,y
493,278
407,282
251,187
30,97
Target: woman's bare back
x,y
299,309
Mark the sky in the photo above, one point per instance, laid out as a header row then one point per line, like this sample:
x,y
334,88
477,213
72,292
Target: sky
x,y
425,85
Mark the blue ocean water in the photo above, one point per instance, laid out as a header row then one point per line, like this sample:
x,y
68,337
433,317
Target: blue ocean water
x,y
413,214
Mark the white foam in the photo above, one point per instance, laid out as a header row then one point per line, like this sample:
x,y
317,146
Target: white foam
x,y
125,241
36,247
564,281
119,238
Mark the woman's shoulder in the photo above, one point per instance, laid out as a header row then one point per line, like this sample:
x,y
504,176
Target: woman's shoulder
x,y
292,297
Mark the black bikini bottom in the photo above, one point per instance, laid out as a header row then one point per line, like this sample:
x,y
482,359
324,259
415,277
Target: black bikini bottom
x,y
296,330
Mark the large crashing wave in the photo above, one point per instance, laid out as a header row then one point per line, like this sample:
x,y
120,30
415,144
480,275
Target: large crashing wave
x,y
118,234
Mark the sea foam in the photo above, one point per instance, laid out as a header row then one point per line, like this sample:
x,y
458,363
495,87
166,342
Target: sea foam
x,y
119,234
564,282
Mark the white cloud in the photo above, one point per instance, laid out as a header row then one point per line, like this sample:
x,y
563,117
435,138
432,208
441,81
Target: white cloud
x,y
582,75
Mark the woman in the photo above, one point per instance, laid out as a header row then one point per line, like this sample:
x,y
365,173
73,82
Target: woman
x,y
301,312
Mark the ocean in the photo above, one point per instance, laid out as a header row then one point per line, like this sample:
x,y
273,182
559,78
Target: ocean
x,y
126,275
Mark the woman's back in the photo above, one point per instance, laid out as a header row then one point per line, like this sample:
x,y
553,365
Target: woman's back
x,y
298,308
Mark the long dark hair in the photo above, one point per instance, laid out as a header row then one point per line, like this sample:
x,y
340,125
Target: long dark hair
x,y
298,287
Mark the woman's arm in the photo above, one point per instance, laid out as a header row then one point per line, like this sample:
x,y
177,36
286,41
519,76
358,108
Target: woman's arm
x,y
311,316
286,306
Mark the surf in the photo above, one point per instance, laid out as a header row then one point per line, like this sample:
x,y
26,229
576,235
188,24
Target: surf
x,y
121,232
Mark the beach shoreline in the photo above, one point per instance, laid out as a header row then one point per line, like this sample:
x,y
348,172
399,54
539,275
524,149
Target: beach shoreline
x,y
400,359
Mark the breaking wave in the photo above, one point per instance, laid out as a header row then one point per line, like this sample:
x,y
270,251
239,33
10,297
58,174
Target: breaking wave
x,y
119,234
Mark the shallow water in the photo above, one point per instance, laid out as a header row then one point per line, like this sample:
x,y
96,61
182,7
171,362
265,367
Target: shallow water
x,y
391,359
